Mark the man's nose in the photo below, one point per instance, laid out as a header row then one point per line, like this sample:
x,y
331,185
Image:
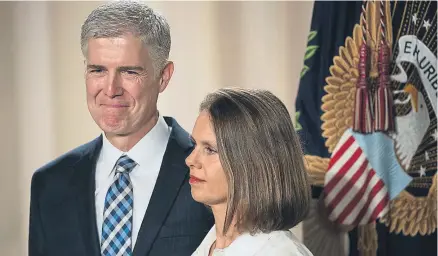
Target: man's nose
x,y
113,86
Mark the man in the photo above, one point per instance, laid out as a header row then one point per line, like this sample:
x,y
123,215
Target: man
x,y
125,192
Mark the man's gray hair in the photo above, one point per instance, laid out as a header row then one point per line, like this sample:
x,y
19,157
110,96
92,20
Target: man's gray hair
x,y
118,18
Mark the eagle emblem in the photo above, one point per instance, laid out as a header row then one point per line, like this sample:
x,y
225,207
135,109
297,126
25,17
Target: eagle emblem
x,y
413,72
415,119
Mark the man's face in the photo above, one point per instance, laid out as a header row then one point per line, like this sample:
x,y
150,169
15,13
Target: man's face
x,y
121,89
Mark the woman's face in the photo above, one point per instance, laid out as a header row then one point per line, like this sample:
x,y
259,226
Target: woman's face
x,y
207,177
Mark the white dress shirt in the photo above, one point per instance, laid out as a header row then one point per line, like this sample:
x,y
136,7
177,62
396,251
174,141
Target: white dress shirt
x,y
278,243
148,154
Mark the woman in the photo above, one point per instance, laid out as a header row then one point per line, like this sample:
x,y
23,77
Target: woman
x,y
247,166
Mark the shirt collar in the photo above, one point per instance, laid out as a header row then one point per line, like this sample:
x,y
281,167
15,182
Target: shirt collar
x,y
244,244
143,152
247,244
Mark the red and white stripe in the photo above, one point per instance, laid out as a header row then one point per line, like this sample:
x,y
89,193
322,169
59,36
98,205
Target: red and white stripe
x,y
354,194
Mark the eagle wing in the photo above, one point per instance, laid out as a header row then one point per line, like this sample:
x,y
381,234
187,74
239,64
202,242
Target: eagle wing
x,y
338,103
412,215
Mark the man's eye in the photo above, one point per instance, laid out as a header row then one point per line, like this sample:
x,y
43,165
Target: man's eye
x,y
130,72
95,70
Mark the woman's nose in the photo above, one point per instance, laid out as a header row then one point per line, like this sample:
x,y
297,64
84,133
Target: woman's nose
x,y
192,159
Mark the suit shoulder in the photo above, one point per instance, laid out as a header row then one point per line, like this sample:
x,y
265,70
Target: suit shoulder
x,y
179,134
67,159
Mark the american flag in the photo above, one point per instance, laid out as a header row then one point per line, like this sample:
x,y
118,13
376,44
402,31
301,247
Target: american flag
x,y
354,192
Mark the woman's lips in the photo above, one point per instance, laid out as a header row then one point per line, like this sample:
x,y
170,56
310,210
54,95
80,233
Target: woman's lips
x,y
194,180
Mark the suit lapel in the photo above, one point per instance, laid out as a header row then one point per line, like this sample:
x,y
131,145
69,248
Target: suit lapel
x,y
83,181
172,174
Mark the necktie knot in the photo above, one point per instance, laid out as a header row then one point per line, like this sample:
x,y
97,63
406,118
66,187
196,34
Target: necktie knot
x,y
125,165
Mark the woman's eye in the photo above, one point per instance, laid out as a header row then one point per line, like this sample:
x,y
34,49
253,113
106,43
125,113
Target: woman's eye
x,y
210,150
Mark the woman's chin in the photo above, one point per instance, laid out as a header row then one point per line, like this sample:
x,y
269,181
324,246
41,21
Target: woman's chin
x,y
196,196
206,200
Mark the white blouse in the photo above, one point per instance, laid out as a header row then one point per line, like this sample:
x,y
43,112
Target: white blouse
x,y
278,243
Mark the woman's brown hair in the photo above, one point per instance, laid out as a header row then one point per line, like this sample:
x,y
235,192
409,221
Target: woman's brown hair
x,y
268,187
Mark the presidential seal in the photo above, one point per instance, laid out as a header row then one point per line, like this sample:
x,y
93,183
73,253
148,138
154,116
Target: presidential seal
x,y
402,106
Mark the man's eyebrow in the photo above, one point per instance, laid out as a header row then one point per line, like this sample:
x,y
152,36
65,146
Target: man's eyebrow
x,y
93,66
125,68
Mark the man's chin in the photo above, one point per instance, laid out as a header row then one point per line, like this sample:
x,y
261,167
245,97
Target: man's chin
x,y
114,129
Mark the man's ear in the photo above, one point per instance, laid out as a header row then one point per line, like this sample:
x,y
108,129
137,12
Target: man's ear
x,y
166,74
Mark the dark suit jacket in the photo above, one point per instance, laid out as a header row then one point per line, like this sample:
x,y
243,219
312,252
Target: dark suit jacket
x,y
62,209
